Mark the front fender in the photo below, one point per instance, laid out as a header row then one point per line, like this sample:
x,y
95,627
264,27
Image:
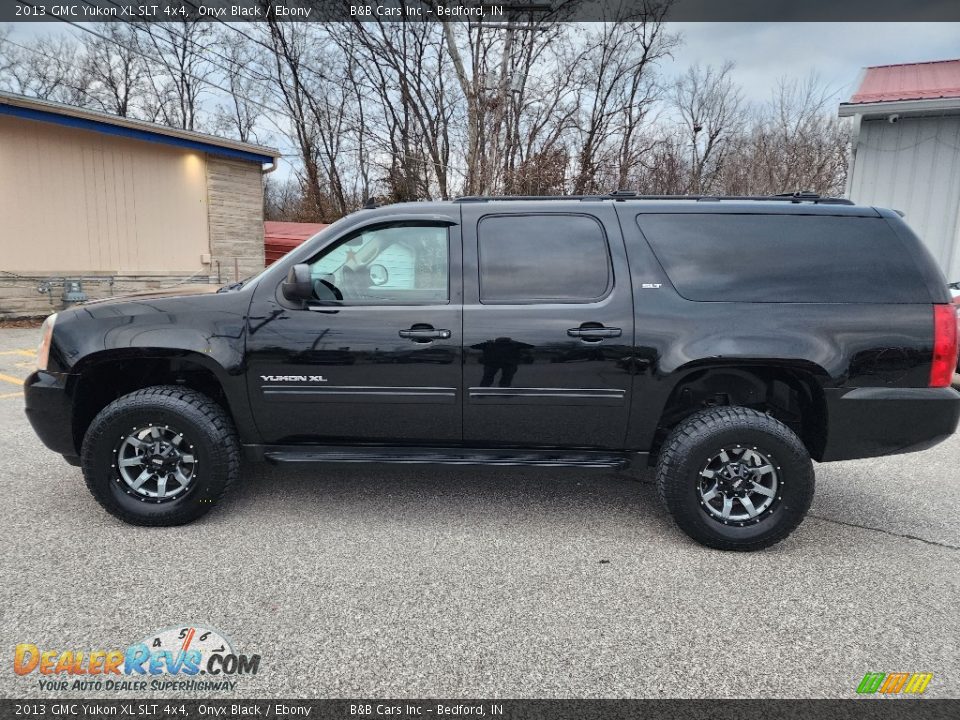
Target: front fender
x,y
205,331
208,326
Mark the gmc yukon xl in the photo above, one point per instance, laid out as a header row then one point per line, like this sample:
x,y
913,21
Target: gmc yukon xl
x,y
726,341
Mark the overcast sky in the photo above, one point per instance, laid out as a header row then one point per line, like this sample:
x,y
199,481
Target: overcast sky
x,y
765,52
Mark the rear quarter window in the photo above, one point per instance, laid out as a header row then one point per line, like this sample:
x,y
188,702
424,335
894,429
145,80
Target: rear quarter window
x,y
784,258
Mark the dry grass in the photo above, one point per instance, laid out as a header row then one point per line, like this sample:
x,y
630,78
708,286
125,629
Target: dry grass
x,y
27,322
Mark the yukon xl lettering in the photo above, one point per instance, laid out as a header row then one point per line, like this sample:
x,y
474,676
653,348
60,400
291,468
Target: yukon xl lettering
x,y
726,341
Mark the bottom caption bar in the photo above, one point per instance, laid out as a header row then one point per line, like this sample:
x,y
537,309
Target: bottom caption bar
x,y
867,709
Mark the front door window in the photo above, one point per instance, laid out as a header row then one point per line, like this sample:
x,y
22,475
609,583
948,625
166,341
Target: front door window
x,y
394,265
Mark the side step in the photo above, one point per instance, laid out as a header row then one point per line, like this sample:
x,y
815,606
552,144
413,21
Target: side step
x,y
441,456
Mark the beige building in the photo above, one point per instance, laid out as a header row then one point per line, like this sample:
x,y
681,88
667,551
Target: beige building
x,y
119,205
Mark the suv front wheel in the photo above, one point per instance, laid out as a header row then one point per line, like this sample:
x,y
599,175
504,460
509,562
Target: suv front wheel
x,y
163,455
735,479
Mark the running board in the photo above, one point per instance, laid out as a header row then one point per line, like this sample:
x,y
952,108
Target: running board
x,y
440,456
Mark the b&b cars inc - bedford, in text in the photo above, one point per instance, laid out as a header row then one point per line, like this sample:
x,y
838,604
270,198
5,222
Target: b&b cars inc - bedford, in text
x,y
441,11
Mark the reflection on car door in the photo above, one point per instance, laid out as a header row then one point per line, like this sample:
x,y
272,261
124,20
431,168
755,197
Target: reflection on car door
x,y
548,320
382,365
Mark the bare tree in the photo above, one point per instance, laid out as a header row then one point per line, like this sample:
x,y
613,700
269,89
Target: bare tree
x,y
284,200
405,74
617,91
6,55
470,85
178,70
495,66
45,68
664,168
288,47
357,101
797,142
241,62
412,111
710,107
115,69
541,112
318,104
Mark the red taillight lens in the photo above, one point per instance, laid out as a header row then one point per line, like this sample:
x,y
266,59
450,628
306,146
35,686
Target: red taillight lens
x,y
944,345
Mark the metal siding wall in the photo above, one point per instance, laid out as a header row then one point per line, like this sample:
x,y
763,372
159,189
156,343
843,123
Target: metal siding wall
x,y
76,201
914,166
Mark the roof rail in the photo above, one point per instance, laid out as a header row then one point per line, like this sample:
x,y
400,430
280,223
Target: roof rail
x,y
621,195
491,198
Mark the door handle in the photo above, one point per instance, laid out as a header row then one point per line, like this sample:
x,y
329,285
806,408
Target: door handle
x,y
424,333
594,332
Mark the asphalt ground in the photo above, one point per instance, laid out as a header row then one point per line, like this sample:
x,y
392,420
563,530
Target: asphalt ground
x,y
414,581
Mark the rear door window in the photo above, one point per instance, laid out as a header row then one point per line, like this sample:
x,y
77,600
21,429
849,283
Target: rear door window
x,y
543,259
783,258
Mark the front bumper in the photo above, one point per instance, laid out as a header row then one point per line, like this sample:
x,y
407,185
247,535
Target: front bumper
x,y
50,412
869,422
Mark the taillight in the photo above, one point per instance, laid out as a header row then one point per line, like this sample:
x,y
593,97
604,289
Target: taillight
x,y
944,345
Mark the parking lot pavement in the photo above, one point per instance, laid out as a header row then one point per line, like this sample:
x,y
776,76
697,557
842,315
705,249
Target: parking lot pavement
x,y
415,581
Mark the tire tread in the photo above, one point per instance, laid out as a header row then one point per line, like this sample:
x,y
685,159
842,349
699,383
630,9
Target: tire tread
x,y
696,429
147,399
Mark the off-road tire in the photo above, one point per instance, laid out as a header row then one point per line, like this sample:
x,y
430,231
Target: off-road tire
x,y
694,441
198,417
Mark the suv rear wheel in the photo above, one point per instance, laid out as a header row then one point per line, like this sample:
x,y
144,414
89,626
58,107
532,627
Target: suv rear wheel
x,y
164,455
735,479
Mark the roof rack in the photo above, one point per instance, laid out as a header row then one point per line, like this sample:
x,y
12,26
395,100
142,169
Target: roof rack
x,y
621,195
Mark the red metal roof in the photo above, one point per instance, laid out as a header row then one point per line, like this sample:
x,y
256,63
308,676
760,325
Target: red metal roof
x,y
913,81
291,230
279,238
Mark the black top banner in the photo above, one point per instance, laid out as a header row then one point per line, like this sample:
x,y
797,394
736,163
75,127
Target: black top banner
x,y
524,11
486,709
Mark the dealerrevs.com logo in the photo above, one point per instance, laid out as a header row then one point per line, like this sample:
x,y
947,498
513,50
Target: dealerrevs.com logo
x,y
894,683
188,657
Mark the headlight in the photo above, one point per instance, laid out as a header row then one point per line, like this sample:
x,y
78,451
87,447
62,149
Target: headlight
x,y
46,336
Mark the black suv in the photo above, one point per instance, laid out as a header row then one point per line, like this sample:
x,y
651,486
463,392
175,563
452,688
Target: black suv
x,y
726,340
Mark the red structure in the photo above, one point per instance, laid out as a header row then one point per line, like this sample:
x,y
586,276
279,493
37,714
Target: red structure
x,y
913,81
279,238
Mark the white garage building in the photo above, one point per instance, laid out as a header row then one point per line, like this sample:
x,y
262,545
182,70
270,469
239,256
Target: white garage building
x,y
906,150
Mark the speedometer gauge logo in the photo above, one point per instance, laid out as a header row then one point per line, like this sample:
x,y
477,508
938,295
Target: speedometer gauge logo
x,y
195,637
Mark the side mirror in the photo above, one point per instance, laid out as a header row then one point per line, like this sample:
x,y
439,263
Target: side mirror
x,y
298,287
